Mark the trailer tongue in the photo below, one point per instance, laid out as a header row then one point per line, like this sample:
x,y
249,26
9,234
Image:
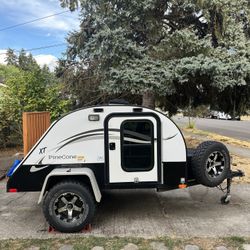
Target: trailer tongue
x,y
225,199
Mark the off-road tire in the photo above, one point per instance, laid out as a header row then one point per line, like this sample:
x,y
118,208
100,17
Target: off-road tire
x,y
199,161
81,191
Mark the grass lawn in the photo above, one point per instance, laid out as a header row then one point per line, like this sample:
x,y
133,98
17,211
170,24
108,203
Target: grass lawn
x,y
120,242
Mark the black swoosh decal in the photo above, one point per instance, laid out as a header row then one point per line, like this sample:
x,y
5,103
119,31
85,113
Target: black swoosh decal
x,y
171,137
87,132
82,133
41,161
78,138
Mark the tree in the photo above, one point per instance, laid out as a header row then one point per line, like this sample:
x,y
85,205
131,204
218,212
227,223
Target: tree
x,y
24,91
107,45
189,49
26,61
11,58
22,60
8,131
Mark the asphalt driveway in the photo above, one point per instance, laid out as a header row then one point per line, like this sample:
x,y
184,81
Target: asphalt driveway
x,y
190,212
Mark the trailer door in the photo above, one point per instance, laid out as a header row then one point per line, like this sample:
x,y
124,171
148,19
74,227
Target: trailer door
x,y
133,149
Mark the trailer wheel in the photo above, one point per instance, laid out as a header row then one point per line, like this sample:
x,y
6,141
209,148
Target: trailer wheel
x,y
69,206
211,163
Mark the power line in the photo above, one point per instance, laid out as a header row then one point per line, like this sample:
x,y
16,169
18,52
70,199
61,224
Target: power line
x,y
45,47
34,20
38,48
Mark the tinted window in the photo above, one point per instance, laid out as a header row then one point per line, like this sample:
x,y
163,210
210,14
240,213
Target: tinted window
x,y
137,145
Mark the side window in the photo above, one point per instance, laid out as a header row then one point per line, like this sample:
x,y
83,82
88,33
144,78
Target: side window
x,y
137,145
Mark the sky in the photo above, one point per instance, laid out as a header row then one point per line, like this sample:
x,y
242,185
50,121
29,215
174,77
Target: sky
x,y
46,32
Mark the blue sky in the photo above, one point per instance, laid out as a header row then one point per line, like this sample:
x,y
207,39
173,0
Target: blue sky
x,y
45,32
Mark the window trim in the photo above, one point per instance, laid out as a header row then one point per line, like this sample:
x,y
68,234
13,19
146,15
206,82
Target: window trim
x,y
122,145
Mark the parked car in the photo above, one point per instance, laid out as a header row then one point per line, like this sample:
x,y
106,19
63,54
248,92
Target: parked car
x,y
220,115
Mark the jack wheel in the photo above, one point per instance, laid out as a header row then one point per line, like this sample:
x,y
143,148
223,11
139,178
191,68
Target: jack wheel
x,y
225,199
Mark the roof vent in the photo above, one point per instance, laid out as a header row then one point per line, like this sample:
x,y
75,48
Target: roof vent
x,y
119,101
137,109
98,110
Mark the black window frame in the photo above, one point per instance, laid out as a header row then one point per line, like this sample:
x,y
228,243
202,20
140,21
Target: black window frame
x,y
152,146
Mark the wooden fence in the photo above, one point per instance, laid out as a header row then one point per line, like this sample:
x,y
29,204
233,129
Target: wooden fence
x,y
34,126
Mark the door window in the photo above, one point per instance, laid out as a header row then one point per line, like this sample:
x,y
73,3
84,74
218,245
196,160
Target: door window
x,y
137,145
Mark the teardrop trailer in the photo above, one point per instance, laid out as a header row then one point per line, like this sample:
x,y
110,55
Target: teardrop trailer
x,y
113,147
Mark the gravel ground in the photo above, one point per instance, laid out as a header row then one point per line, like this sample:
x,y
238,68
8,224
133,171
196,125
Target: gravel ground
x,y
192,212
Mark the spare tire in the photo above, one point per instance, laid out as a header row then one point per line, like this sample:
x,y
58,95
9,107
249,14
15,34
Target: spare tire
x,y
211,163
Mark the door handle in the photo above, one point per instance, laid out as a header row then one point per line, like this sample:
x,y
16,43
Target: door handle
x,y
111,146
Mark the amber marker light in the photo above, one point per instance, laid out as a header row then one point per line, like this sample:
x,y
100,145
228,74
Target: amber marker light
x,y
182,185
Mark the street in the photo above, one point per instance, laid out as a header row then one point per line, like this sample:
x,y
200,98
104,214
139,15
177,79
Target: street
x,y
235,129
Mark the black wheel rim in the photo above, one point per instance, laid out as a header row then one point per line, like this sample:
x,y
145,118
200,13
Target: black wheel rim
x,y
215,164
70,208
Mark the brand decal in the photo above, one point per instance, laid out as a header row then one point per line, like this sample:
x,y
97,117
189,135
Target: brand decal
x,y
66,157
42,150
100,158
80,158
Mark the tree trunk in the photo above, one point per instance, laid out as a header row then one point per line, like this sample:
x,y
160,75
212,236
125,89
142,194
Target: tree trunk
x,y
148,99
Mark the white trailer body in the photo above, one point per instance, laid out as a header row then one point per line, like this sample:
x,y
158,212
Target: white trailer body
x,y
76,139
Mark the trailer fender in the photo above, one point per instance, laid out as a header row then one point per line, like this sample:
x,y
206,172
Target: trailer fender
x,y
73,172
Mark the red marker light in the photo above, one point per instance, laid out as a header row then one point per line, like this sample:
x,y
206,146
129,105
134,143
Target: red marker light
x,y
12,190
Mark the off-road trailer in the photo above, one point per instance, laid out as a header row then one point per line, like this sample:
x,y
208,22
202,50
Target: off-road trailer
x,y
112,147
